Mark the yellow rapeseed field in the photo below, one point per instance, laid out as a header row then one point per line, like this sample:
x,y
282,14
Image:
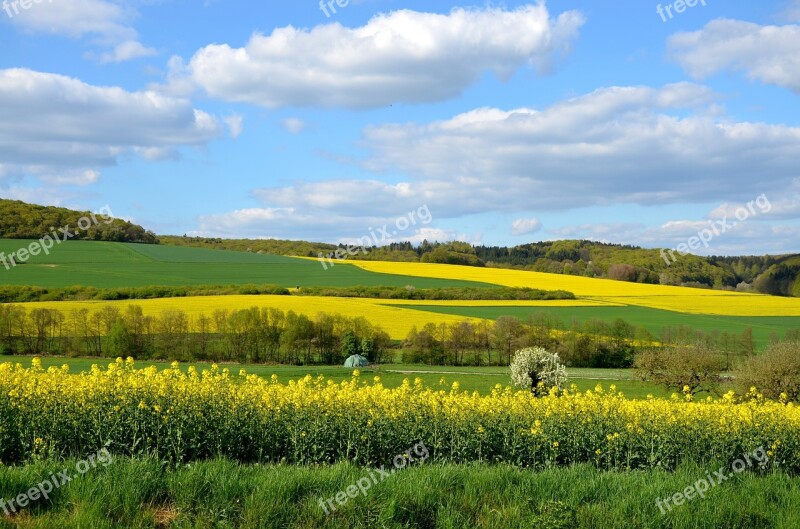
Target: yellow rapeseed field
x,y
678,299
183,416
396,321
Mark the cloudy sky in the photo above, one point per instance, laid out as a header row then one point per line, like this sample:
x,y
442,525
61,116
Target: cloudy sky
x,y
631,121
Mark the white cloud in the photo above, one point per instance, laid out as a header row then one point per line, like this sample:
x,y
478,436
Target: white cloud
x,y
404,56
61,129
770,54
106,22
294,125
618,145
615,145
316,225
127,51
78,178
744,239
525,226
341,196
48,195
235,124
747,228
791,13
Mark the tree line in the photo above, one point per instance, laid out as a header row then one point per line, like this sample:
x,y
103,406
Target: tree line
x,y
269,335
591,343
253,335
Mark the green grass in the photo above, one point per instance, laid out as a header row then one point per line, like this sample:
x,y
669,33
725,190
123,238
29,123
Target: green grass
x,y
115,265
480,379
142,493
654,320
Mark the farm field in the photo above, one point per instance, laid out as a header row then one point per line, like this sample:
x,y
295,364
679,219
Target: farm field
x,y
480,379
654,320
104,264
114,265
187,416
396,321
677,299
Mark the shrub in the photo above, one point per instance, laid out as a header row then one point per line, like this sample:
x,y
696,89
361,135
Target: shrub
x,y
537,369
680,366
775,372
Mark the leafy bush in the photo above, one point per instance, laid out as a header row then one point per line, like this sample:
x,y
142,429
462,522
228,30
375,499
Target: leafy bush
x,y
773,373
682,366
537,369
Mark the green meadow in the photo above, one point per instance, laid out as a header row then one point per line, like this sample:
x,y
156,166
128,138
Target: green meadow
x,y
116,265
654,320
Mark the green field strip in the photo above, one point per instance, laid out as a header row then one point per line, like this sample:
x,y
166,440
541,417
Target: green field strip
x,y
118,265
654,320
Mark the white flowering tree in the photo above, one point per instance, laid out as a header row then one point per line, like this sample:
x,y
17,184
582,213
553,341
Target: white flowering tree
x,y
533,366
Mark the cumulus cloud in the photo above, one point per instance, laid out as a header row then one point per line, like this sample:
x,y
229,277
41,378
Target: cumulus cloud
x,y
107,23
127,51
282,223
61,129
235,123
404,56
525,226
746,228
769,54
748,238
341,196
791,13
775,206
294,125
617,145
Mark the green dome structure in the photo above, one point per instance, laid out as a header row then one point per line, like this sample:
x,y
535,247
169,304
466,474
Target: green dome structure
x,y
356,361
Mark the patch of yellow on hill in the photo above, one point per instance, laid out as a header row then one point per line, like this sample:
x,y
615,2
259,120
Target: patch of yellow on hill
x,y
394,320
678,299
501,303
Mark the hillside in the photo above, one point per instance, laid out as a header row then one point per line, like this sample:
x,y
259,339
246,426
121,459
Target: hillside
x,y
20,220
776,275
120,265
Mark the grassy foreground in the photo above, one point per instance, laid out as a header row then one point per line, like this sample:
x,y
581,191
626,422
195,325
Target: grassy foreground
x,y
142,493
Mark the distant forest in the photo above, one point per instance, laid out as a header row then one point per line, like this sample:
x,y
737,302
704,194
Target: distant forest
x,y
776,275
20,220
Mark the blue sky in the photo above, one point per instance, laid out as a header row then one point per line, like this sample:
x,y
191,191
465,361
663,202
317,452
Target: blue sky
x,y
509,122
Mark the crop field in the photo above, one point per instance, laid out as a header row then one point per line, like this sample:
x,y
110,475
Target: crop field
x,y
654,320
396,321
104,264
185,416
113,265
677,299
480,379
